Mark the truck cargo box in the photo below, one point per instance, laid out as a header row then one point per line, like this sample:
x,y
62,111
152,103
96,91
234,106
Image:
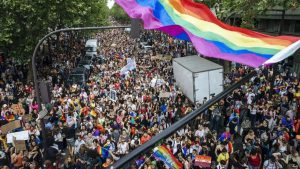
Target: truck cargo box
x,y
198,77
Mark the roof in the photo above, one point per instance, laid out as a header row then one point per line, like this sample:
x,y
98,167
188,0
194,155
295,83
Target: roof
x,y
78,70
197,64
91,42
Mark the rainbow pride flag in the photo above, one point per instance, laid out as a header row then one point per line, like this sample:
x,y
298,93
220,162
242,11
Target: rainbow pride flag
x,y
187,20
164,154
103,151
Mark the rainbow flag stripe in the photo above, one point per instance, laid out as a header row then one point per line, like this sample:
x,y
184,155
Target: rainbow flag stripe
x,y
103,151
164,154
187,20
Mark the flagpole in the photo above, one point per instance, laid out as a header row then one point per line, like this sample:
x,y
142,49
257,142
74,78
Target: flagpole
x,y
145,161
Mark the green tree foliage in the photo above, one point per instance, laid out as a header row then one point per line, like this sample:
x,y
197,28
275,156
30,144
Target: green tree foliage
x,y
119,14
24,22
247,9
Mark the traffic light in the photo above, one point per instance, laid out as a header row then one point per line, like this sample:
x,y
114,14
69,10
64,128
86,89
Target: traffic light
x,y
135,28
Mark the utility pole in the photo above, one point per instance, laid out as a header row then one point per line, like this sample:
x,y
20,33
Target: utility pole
x,y
282,18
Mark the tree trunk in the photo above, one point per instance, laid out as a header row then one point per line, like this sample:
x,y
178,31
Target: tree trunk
x,y
29,74
49,47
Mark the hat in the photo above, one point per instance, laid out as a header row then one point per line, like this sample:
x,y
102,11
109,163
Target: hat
x,y
4,105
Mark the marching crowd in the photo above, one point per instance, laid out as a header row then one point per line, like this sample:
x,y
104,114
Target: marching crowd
x,y
257,126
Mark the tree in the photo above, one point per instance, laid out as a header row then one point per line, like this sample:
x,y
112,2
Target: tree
x,y
23,23
119,14
247,10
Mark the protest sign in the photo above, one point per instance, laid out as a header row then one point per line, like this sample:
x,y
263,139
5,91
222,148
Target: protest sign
x,y
20,145
155,57
22,135
113,95
124,71
160,82
10,126
131,65
42,114
203,161
164,94
26,118
166,58
156,82
18,109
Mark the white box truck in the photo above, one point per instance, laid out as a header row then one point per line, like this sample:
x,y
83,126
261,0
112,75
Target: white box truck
x,y
198,77
91,47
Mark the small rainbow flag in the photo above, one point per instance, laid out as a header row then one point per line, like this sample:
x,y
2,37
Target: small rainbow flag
x,y
163,153
103,152
187,20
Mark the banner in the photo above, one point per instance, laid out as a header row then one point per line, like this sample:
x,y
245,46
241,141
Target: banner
x,y
203,161
10,126
131,65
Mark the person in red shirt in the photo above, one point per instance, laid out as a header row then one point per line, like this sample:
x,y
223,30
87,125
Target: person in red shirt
x,y
17,159
117,86
254,159
146,137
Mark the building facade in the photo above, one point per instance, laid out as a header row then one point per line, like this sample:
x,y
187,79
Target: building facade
x,y
270,23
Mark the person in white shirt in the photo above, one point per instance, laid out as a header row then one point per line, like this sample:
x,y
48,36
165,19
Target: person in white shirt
x,y
58,138
123,147
250,96
79,141
253,111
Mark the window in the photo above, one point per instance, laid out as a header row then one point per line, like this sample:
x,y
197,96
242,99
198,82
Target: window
x,y
286,26
297,27
262,24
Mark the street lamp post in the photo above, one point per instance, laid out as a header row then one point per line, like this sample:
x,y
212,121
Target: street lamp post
x,y
34,69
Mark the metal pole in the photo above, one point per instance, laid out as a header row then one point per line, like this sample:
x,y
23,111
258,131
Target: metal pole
x,y
179,124
34,71
282,18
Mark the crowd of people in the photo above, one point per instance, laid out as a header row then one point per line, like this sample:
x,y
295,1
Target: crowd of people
x,y
256,126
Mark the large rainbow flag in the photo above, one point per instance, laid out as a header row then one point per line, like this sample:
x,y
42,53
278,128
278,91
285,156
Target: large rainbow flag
x,y
164,154
187,20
